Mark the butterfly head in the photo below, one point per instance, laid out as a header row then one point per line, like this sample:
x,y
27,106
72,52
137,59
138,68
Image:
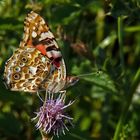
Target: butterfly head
x,y
71,81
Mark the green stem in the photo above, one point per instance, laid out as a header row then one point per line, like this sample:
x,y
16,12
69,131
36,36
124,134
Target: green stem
x,y
120,40
131,92
45,137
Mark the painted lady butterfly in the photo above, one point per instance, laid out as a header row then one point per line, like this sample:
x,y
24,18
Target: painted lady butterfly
x,y
37,64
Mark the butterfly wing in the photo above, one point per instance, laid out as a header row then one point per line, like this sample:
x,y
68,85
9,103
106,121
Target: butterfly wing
x,y
39,38
26,69
38,35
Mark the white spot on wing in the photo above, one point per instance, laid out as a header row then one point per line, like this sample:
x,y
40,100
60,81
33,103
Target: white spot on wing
x,y
49,54
33,27
26,37
43,59
46,35
54,42
50,34
32,70
42,21
34,34
29,19
56,54
27,30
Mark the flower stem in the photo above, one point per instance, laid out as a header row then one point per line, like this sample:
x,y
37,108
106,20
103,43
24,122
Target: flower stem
x,y
47,138
133,87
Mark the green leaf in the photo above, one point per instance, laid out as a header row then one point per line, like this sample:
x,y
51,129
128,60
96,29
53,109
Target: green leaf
x,y
101,79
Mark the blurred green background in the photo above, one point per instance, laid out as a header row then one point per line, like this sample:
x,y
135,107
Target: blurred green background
x,y
100,42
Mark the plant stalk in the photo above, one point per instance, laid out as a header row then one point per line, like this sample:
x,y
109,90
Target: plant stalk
x,y
120,40
125,109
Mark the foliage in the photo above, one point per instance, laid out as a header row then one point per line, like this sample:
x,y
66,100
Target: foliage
x,y
100,44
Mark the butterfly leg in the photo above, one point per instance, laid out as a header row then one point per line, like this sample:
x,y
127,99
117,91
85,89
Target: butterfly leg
x,y
39,96
50,95
62,91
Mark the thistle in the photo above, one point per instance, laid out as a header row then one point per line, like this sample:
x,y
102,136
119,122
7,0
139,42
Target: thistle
x,y
51,117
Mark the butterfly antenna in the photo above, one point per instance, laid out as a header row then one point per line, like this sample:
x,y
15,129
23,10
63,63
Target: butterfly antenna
x,y
87,74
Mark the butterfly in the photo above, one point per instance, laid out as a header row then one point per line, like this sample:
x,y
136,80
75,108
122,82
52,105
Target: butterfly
x,y
37,65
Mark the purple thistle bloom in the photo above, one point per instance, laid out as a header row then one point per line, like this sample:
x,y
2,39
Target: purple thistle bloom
x,y
51,116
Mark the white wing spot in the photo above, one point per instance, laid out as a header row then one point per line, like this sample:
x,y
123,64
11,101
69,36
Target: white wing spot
x,y
56,54
34,34
43,59
26,37
46,35
34,27
54,42
32,70
29,19
27,30
42,21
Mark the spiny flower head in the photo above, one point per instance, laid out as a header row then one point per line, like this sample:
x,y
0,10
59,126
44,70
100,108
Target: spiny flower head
x,y
52,117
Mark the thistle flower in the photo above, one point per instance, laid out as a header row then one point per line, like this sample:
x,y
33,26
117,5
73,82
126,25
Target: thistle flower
x,y
51,117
